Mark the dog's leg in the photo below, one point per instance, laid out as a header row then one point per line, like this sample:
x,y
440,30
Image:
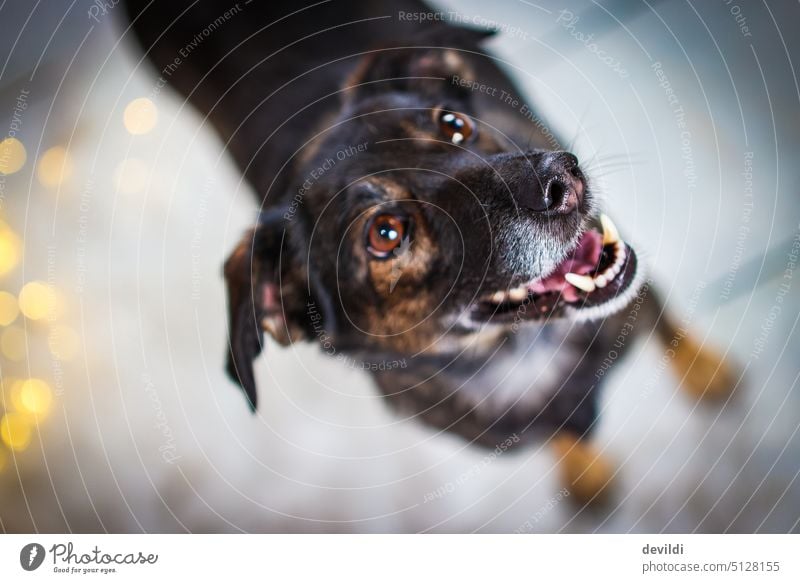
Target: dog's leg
x,y
584,471
701,370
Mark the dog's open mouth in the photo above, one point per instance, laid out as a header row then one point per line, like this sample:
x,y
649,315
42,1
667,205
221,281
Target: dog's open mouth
x,y
595,280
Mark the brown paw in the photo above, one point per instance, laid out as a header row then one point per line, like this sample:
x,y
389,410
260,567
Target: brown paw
x,y
585,472
703,372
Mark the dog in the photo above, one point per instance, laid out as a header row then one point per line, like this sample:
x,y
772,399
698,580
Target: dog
x,y
415,208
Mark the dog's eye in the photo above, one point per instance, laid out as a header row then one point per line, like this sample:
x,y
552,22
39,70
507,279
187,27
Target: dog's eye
x,y
457,127
385,234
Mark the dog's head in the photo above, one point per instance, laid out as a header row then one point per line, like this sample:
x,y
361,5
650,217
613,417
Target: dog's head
x,y
420,218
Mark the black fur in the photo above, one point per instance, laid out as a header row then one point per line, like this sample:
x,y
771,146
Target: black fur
x,y
290,85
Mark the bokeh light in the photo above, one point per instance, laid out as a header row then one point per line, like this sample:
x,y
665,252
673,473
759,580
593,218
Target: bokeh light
x,y
10,249
12,343
15,431
55,167
36,300
9,309
140,116
35,397
12,155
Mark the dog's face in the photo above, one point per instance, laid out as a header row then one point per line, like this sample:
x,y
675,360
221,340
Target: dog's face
x,y
420,218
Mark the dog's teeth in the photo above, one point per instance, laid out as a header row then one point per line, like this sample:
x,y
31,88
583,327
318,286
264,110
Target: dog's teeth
x,y
607,276
619,256
583,282
498,297
518,294
610,233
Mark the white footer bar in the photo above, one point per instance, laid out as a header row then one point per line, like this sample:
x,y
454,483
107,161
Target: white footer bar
x,y
401,558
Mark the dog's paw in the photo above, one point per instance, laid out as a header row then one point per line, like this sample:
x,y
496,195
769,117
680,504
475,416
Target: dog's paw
x,y
703,372
584,471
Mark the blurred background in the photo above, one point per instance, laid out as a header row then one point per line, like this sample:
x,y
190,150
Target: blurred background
x,y
118,205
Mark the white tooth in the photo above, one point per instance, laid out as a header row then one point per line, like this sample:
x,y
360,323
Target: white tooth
x,y
600,281
583,282
610,233
518,294
498,297
614,271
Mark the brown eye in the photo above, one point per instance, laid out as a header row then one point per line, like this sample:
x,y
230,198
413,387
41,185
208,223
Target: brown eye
x,y
385,234
456,127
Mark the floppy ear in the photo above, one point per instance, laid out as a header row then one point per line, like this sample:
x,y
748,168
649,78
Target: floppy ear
x,y
267,291
433,53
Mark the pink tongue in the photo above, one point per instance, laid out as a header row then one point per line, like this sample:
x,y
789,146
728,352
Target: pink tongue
x,y
583,260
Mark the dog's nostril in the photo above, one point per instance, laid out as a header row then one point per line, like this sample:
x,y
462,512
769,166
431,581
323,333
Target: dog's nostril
x,y
554,194
554,186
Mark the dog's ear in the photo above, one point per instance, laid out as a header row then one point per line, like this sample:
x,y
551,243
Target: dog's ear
x,y
433,54
267,291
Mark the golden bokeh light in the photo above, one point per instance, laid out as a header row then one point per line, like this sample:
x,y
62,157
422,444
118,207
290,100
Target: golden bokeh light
x,y
13,396
63,342
8,308
10,249
10,394
15,431
37,300
55,167
12,156
140,116
131,176
12,343
35,397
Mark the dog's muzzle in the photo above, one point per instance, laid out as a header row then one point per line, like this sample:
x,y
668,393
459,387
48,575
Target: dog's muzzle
x,y
598,277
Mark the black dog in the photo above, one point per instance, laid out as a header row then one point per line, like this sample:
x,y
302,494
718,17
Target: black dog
x,y
414,208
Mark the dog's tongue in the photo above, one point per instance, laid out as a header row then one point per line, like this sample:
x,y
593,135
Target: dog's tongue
x,y
582,260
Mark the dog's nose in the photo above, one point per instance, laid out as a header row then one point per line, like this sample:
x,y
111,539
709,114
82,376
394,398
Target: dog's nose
x,y
560,185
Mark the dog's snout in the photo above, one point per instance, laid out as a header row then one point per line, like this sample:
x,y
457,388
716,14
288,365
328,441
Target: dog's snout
x,y
560,184
549,183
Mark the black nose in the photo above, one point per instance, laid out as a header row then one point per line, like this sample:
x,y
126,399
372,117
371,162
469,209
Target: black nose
x,y
558,187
